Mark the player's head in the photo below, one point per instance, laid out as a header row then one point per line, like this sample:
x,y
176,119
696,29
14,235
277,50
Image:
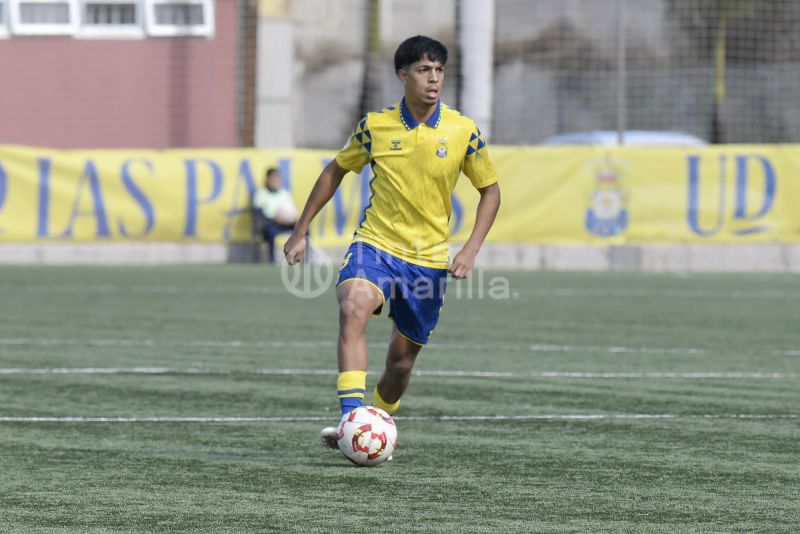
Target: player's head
x,y
272,179
419,63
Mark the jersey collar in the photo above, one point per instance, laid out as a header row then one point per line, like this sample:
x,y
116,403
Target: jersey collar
x,y
410,122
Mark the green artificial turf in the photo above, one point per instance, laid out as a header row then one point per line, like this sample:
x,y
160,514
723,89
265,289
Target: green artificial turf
x,y
579,403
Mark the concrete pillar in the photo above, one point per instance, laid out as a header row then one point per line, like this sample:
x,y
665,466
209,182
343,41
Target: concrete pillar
x,y
275,75
476,41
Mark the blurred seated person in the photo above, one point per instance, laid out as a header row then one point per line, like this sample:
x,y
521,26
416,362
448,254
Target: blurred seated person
x,y
275,211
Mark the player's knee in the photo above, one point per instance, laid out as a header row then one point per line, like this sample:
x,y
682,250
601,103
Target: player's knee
x,y
351,311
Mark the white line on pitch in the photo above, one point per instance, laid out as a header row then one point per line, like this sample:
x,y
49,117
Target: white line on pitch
x,y
159,289
545,292
674,293
277,344
28,341
614,349
436,373
589,374
292,419
157,371
594,417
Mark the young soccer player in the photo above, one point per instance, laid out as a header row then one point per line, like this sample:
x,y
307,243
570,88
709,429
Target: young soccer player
x,y
417,149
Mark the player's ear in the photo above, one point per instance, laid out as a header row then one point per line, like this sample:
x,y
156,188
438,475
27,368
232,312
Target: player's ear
x,y
403,75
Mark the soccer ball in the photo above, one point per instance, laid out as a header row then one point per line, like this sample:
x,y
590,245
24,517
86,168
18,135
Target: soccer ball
x,y
367,436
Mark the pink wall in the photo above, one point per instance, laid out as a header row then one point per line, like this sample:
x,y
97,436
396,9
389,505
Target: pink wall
x,y
150,93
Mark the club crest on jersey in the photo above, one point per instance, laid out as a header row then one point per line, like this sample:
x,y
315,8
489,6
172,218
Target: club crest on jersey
x,y
441,151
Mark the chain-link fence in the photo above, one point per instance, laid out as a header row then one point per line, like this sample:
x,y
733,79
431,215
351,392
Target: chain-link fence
x,y
725,70
172,73
728,71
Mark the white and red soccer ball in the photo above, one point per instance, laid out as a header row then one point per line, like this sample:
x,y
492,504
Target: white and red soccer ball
x,y
367,436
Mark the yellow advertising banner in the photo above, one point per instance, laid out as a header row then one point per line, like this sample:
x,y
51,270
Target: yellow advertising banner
x,y
720,194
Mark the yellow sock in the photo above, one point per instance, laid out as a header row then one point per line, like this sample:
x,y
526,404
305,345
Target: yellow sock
x,y
351,386
378,402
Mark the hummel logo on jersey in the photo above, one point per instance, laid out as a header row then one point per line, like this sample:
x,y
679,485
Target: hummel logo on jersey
x,y
395,144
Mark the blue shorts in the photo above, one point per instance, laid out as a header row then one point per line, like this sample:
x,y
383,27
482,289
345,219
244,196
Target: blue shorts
x,y
415,293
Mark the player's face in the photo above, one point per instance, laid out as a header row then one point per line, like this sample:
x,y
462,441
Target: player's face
x,y
423,81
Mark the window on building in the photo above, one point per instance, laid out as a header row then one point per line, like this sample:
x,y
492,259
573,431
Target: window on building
x,y
43,17
108,18
180,17
107,14
3,19
111,18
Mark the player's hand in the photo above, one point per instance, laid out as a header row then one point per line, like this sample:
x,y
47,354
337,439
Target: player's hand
x,y
463,264
295,247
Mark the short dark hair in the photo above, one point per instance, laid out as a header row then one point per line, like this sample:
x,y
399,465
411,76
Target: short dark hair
x,y
415,48
270,172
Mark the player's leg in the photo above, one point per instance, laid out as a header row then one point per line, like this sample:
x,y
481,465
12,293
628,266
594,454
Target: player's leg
x,y
395,378
415,308
361,291
358,300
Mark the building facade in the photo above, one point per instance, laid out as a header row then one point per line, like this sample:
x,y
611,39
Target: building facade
x,y
116,73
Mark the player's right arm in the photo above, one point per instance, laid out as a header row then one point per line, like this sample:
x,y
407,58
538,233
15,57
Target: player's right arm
x,y
321,193
354,155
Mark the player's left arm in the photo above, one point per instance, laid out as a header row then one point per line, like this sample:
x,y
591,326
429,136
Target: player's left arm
x,y
488,205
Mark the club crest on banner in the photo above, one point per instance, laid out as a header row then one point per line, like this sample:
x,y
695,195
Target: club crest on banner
x,y
607,213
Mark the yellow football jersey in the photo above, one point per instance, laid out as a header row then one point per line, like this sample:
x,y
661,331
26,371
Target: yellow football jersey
x,y
415,168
